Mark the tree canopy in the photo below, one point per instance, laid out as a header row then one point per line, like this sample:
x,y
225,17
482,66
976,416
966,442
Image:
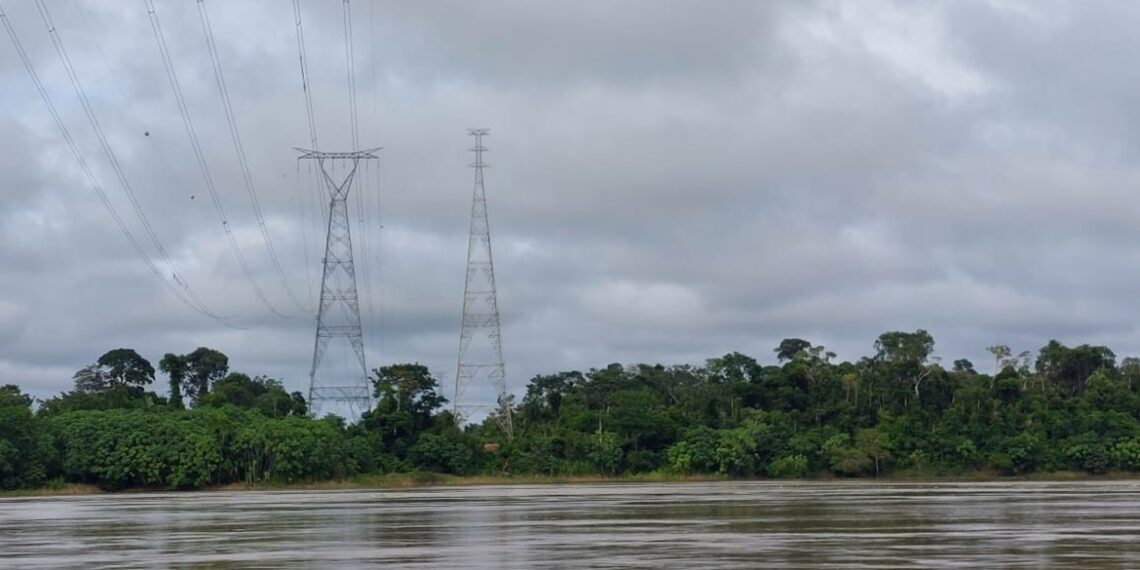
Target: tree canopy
x,y
897,410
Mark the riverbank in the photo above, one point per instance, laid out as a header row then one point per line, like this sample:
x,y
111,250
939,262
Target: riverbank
x,y
412,480
417,480
60,490
385,481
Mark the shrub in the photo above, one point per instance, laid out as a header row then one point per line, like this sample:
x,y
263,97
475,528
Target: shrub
x,y
789,467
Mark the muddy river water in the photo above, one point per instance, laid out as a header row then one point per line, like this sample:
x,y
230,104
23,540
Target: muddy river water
x,y
859,524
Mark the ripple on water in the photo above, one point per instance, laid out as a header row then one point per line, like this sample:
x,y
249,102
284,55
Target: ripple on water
x,y
842,524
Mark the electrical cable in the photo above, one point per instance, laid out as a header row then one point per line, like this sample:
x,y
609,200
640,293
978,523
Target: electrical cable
x,y
200,156
239,149
94,182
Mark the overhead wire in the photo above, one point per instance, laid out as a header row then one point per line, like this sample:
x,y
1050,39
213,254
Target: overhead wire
x,y
134,114
299,197
304,65
112,158
374,310
310,183
239,149
177,292
350,66
200,156
348,56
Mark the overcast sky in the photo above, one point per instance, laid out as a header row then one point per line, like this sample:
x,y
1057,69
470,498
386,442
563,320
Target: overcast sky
x,y
670,181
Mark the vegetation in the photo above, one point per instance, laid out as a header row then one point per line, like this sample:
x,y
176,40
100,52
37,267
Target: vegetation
x,y
896,412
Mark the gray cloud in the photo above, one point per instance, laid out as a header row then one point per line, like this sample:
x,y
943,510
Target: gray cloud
x,y
669,181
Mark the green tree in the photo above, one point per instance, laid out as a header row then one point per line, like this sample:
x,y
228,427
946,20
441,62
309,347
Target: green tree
x,y
204,366
98,388
789,467
696,452
1003,357
605,452
175,367
790,347
907,354
263,394
24,452
1070,368
408,388
441,454
408,398
125,367
899,346
874,444
843,458
545,393
91,378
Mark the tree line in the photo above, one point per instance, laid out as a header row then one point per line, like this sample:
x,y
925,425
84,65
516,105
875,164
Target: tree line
x,y
896,411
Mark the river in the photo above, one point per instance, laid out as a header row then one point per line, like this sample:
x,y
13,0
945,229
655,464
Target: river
x,y
845,524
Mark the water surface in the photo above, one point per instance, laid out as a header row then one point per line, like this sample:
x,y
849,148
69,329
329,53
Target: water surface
x,y
857,524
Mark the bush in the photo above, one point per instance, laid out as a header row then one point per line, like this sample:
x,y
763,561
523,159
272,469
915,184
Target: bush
x,y
605,452
116,449
1126,454
789,467
696,452
437,453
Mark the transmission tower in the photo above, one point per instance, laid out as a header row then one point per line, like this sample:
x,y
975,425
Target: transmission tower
x,y
338,316
481,361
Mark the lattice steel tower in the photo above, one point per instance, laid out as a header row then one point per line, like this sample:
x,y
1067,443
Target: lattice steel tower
x,y
338,316
480,334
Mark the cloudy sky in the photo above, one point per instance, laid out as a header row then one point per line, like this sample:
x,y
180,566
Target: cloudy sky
x,y
670,181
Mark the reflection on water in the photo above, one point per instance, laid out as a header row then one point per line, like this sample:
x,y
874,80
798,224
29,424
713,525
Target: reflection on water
x,y
690,525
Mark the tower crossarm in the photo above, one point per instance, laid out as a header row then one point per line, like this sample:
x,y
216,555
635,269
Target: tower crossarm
x,y
321,155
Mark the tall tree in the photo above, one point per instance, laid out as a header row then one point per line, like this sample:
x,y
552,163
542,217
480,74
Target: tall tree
x,y
907,354
544,395
263,394
898,346
1071,367
204,366
1003,356
407,388
125,367
790,347
408,397
92,378
20,460
175,367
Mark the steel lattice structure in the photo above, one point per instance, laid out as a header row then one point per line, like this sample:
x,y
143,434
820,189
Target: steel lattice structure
x,y
480,335
338,316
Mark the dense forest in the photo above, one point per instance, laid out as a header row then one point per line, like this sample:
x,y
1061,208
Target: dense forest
x,y
898,411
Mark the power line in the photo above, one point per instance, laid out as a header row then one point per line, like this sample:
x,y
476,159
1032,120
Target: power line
x,y
299,196
92,180
350,67
376,328
200,156
377,332
364,262
362,211
304,64
235,136
65,59
306,88
374,264
134,114
348,56
372,37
